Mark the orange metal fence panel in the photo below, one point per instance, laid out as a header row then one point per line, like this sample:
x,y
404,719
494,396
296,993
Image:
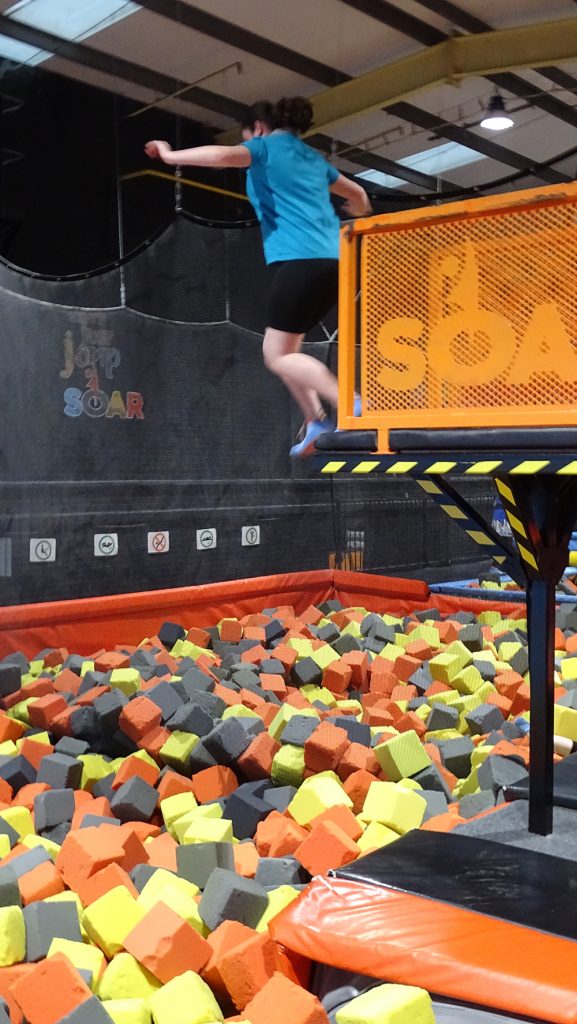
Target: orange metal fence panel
x,y
468,313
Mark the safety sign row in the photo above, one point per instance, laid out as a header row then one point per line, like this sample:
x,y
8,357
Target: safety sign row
x,y
106,545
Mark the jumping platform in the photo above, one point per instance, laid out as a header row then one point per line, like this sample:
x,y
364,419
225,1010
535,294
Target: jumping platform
x,y
458,321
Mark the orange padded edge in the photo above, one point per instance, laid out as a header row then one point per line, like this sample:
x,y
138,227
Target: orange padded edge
x,y
451,952
87,624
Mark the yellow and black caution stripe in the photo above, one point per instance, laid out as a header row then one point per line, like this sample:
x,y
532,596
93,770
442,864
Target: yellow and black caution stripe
x,y
528,551
466,463
463,515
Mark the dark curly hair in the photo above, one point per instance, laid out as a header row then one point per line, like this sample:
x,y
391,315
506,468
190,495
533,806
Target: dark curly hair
x,y
295,113
260,111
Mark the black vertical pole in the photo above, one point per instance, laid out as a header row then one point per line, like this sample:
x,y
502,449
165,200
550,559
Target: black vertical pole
x,y
541,630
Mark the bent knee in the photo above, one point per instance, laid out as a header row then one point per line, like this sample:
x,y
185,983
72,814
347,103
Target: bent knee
x,y
273,361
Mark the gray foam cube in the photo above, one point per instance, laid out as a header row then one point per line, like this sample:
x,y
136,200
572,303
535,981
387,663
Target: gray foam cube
x,y
4,1014
197,861
442,717
436,803
473,803
135,800
227,741
497,771
431,780
275,871
245,810
47,921
228,896
191,718
9,890
472,637
53,808
7,830
26,862
71,746
279,797
60,771
483,719
298,730
456,755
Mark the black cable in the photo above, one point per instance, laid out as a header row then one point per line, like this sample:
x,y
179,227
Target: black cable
x,y
141,247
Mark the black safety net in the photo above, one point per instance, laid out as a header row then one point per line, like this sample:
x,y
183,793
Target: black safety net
x,y
136,408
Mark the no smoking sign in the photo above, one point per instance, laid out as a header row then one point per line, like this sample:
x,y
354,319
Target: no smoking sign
x,y
158,542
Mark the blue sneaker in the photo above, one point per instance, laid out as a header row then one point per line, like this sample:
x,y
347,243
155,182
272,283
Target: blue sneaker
x,y
314,429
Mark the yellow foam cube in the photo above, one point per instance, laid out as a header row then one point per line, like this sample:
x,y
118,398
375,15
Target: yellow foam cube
x,y
4,846
278,899
209,830
51,847
82,955
238,711
94,768
565,722
156,885
314,798
110,918
302,646
324,656
375,836
174,807
468,680
12,936
389,1004
125,679
186,999
177,750
124,978
179,827
391,805
20,819
128,1011
8,748
569,668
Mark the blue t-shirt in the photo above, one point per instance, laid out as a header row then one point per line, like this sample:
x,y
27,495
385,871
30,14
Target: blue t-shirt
x,y
288,186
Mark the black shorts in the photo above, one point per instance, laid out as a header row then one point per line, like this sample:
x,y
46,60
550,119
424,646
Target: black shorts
x,y
300,293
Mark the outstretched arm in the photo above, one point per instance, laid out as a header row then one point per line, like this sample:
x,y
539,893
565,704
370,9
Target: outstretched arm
x,y
357,201
200,156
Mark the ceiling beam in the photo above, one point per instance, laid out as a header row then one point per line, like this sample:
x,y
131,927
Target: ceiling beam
x,y
512,83
116,67
399,20
376,162
234,35
528,46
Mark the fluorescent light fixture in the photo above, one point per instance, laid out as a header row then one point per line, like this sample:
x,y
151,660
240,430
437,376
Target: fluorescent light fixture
x,y
70,19
496,117
434,162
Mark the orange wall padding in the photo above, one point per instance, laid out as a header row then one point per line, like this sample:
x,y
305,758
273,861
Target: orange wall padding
x,y
449,951
87,624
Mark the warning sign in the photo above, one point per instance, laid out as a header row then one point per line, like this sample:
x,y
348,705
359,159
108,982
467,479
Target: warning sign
x,y
158,543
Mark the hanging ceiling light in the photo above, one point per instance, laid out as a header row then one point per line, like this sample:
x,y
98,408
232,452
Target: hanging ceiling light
x,y
496,117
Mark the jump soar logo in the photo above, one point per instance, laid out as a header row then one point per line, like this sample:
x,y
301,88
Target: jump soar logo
x,y
97,358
